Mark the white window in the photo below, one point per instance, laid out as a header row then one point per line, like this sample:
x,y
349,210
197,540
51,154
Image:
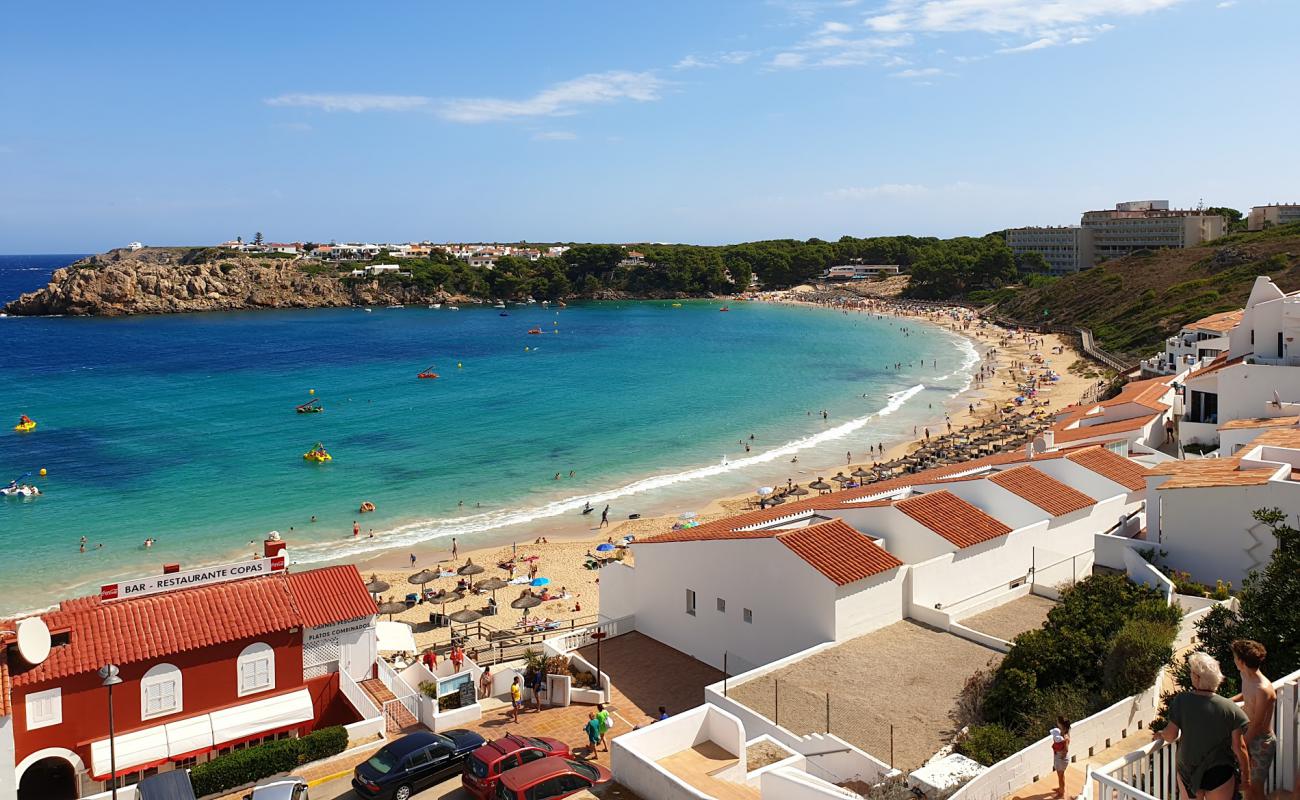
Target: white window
x,y
44,709
690,602
160,691
256,669
749,616
722,606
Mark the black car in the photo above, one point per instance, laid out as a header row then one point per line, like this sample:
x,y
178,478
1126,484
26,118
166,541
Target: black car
x,y
414,762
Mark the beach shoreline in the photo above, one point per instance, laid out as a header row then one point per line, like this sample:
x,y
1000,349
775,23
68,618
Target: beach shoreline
x,y
569,527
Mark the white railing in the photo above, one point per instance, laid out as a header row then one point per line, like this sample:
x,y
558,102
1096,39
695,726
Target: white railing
x,y
357,696
575,640
1150,772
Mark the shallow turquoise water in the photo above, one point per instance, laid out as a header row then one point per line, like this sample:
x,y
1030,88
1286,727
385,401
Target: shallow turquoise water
x,y
183,427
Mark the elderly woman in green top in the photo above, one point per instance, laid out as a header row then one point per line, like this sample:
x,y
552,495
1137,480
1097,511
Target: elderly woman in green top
x,y
1210,732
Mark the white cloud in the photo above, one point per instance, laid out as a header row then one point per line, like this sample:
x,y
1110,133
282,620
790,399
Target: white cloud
x,y
355,103
555,136
928,72
729,58
1227,4
787,60
560,99
1037,44
834,50
835,27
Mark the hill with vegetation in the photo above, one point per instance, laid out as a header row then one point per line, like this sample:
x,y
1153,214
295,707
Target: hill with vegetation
x,y
1132,304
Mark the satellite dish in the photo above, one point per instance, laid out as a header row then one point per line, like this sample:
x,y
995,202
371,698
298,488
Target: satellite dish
x,y
33,640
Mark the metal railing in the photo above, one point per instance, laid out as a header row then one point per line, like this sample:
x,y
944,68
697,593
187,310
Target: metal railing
x,y
357,696
1150,772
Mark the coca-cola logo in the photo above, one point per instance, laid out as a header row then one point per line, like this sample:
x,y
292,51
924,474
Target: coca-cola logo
x,y
108,592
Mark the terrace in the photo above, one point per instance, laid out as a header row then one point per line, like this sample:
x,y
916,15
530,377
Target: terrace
x,y
1011,619
892,692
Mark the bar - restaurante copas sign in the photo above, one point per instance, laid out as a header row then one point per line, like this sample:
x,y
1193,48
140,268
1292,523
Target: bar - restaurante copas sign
x,y
171,581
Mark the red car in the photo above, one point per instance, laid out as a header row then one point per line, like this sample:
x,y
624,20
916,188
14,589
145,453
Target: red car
x,y
484,766
549,778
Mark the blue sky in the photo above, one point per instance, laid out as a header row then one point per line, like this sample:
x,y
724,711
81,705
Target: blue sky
x,y
709,122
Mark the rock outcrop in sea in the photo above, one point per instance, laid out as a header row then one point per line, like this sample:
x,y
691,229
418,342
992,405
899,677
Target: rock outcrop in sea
x,y
170,280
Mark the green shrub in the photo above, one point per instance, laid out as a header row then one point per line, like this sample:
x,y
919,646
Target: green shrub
x,y
1070,702
1139,650
1012,697
989,744
255,763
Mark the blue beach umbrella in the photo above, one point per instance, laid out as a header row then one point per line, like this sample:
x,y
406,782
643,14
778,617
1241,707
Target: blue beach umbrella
x,y
604,547
539,581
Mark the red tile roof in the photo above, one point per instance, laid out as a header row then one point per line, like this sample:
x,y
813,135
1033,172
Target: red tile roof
x,y
838,551
1222,322
332,594
1117,468
145,628
952,518
6,706
1043,490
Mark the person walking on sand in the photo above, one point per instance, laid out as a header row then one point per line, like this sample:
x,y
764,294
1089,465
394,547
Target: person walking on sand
x,y
1209,729
1060,753
1260,698
453,548
516,699
604,517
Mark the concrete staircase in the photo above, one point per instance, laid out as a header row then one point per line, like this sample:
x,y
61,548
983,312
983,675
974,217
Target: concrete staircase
x,y
396,717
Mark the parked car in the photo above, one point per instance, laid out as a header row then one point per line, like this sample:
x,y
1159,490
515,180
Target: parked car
x,y
484,766
291,788
548,778
414,762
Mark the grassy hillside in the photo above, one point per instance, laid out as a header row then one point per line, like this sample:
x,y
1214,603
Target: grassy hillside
x,y
1133,303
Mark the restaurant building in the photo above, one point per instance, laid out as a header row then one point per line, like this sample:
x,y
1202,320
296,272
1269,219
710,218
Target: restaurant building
x,y
210,660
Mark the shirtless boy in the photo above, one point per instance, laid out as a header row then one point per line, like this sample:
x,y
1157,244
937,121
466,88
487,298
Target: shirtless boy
x,y
1259,698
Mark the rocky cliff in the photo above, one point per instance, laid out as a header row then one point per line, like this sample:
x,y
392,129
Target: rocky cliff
x,y
166,280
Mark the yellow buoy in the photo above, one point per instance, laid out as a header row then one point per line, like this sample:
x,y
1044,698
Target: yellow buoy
x,y
526,349
459,365
311,391
42,472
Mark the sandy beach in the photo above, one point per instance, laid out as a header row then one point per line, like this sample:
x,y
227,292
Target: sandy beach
x,y
1007,360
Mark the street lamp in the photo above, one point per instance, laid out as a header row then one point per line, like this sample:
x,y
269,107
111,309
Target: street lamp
x,y
598,635
108,677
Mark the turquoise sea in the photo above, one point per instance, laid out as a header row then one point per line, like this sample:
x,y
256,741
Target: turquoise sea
x,y
182,428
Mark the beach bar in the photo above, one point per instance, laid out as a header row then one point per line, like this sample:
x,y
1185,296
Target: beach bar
x,y
210,661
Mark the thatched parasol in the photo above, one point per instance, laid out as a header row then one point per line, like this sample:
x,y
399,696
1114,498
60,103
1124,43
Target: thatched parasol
x,y
470,568
390,608
375,586
465,616
422,577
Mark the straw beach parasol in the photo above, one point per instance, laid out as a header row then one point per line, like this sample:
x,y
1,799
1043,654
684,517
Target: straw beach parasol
x,y
390,608
470,568
375,586
422,577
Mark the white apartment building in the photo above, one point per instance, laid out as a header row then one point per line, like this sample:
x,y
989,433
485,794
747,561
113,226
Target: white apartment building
x,y
1257,376
1067,248
1136,417
1193,347
1148,225
762,585
857,272
1271,215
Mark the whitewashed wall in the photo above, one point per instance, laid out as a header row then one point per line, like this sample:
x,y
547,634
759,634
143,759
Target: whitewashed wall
x,y
758,574
618,590
633,755
1211,534
870,604
8,760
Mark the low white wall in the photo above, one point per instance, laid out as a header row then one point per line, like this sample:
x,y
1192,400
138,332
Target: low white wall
x,y
633,755
455,718
979,637
788,783
364,729
591,696
961,611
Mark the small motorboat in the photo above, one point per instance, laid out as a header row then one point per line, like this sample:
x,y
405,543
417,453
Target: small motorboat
x,y
534,331
25,424
499,304
16,489
398,305
317,454
453,308
503,314
677,305
428,374
435,305
725,308
312,406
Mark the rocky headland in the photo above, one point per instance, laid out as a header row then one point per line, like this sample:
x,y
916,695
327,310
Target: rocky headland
x,y
172,280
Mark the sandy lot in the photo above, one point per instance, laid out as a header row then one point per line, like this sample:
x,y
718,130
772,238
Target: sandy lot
x,y
905,675
1010,619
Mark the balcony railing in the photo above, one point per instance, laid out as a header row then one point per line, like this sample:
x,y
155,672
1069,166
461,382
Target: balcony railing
x,y
1150,772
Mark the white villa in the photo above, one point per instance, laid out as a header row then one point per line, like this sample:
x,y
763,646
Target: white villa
x,y
1137,416
1195,346
1255,377
757,587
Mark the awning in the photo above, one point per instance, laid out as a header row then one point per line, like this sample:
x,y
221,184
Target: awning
x,y
250,719
187,737
134,750
395,637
